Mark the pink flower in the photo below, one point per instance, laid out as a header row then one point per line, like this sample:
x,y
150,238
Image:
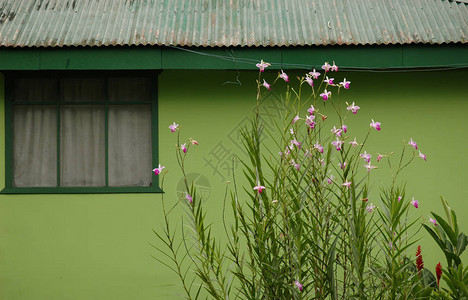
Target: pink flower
x,y
344,128
399,198
326,66
311,110
173,127
345,83
322,161
353,108
413,144
309,81
329,81
334,68
310,121
433,221
291,131
376,125
158,169
315,75
266,85
337,144
296,143
336,131
325,95
353,143
415,203
370,208
262,65
183,148
189,198
342,165
194,142
423,156
379,157
369,167
366,156
330,179
347,184
318,147
295,119
259,188
297,166
284,76
298,285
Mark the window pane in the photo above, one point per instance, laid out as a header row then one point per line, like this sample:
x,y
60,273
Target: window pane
x,y
82,145
34,146
129,89
130,145
36,90
83,90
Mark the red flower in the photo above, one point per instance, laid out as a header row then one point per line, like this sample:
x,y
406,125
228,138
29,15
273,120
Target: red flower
x,y
419,261
438,272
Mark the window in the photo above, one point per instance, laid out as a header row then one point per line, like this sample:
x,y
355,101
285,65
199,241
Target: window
x,y
81,132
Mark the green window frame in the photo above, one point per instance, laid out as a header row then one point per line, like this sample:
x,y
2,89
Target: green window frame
x,y
9,105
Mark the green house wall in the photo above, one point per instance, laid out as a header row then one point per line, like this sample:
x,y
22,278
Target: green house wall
x,y
97,246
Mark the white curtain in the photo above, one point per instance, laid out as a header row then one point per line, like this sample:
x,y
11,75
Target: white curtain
x,y
130,145
82,133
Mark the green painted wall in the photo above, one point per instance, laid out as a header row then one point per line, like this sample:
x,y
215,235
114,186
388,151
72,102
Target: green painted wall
x,y
98,246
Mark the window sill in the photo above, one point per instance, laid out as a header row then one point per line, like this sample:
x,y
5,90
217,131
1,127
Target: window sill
x,y
80,190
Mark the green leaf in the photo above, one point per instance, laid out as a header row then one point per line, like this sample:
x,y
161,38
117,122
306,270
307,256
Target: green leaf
x,y
461,245
447,229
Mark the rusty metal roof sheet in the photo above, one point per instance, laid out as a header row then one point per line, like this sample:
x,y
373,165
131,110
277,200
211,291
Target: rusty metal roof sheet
x,y
212,23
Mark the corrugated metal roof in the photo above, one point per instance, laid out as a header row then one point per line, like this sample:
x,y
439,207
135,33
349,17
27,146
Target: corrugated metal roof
x,y
52,23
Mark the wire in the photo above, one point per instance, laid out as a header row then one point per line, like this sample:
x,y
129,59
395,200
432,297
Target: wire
x,y
250,61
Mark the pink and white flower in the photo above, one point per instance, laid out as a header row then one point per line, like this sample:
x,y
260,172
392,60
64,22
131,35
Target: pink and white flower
x,y
259,188
326,66
342,165
309,81
158,169
370,208
325,95
399,198
344,128
366,156
296,165
311,110
291,131
347,184
310,121
334,68
173,127
295,119
369,167
330,179
284,76
194,142
345,83
183,148
413,144
296,143
314,74
379,157
262,65
423,156
322,161
353,143
353,108
318,147
433,221
376,125
188,197
298,285
336,131
329,81
415,203
337,144
266,85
